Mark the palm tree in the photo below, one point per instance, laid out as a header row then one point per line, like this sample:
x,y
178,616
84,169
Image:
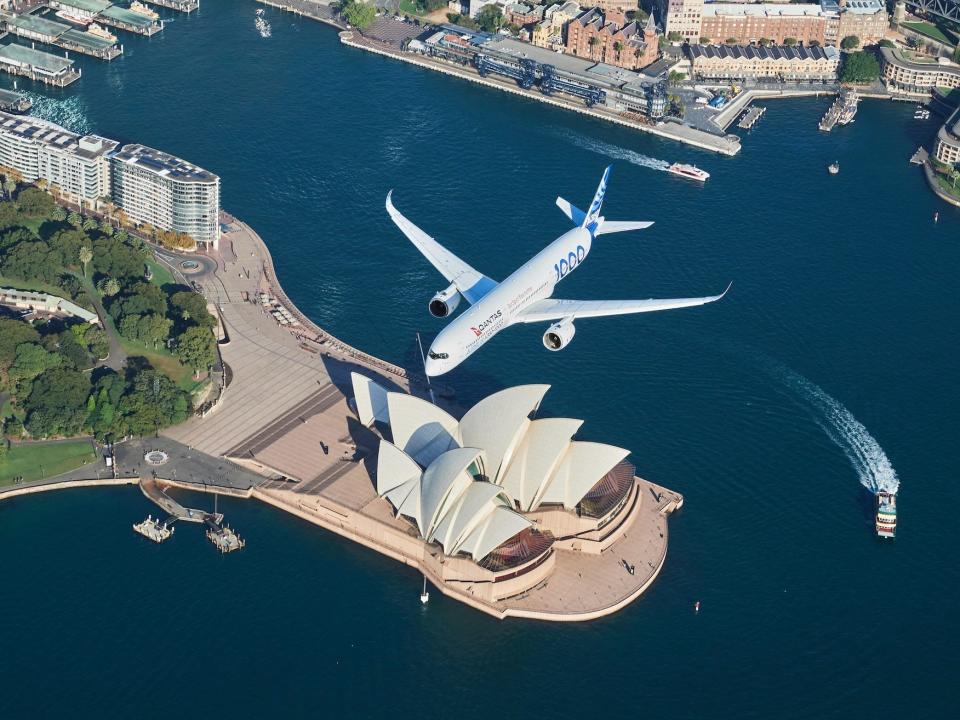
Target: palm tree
x,y
75,219
89,224
9,186
593,42
85,255
617,47
955,175
59,214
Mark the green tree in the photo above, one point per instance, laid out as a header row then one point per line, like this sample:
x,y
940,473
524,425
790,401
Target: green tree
x,y
85,255
108,286
887,43
358,13
704,40
593,42
57,404
59,214
675,77
75,219
789,41
191,306
850,42
196,348
35,203
860,67
674,36
9,187
90,224
153,401
31,360
14,333
490,18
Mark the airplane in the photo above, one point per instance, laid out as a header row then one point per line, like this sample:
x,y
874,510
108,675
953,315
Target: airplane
x,y
525,296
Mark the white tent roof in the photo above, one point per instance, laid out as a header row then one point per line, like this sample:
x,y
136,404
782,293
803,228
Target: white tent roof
x,y
394,468
582,467
470,509
370,399
422,430
536,459
498,422
498,527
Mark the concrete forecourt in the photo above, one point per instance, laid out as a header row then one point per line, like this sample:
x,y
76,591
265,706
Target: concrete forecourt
x,y
513,518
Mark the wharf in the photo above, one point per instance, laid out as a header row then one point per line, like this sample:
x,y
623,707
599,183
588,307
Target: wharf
x,y
155,492
750,117
225,539
154,529
61,35
123,19
37,65
14,102
187,6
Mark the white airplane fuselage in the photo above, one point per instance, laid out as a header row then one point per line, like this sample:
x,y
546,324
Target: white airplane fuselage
x,y
534,280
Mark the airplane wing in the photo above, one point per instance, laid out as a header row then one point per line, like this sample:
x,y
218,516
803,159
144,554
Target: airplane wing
x,y
471,284
547,310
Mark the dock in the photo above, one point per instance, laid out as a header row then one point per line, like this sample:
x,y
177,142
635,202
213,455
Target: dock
x,y
222,536
843,110
123,19
225,538
61,35
14,102
750,117
920,156
154,529
37,65
187,6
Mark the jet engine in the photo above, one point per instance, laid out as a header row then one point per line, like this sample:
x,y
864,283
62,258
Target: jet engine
x,y
559,335
444,303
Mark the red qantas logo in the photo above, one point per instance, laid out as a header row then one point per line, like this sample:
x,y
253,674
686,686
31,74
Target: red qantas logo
x,y
478,331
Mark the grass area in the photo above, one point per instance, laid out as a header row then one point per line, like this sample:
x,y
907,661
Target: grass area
x,y
408,7
946,184
160,274
36,461
34,286
930,31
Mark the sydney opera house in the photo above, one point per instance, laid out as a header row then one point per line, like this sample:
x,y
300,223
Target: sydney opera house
x,y
505,503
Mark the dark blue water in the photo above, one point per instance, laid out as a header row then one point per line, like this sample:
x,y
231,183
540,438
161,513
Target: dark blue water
x,y
844,281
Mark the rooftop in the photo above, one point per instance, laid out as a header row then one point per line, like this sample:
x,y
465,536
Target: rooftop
x,y
92,6
163,164
20,55
764,9
126,16
48,133
759,52
40,25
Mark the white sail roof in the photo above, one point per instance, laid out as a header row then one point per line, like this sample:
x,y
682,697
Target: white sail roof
x,y
394,467
498,422
498,527
471,508
370,400
536,459
443,482
422,430
582,467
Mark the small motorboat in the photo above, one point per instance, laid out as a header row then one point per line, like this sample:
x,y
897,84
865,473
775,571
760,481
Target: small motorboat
x,y
833,168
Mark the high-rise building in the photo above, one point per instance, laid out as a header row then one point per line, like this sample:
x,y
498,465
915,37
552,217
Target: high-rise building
x,y
77,167
154,187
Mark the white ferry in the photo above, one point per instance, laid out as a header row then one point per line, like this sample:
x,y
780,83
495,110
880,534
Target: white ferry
x,y
101,32
73,19
689,171
886,514
140,9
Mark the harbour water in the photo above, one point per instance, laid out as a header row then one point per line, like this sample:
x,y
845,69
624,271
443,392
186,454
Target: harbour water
x,y
843,286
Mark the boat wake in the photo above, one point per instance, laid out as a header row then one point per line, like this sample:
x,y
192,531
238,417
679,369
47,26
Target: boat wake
x,y
70,113
861,448
263,27
615,152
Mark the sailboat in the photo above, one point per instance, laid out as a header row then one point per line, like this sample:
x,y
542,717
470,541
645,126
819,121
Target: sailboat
x,y
424,595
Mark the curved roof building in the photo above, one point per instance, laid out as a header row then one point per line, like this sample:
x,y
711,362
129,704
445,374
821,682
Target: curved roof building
x,y
497,477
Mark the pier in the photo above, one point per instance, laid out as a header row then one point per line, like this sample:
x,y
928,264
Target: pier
x,y
187,6
225,538
36,65
154,529
750,117
123,19
14,102
61,35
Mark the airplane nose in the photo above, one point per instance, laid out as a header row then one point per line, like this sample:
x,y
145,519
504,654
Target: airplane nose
x,y
431,367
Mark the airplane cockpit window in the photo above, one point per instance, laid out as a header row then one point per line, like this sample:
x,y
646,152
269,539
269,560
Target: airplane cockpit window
x,y
438,356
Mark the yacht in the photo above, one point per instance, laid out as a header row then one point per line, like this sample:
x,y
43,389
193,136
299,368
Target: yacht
x,y
688,171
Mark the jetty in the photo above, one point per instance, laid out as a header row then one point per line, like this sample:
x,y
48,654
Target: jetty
x,y
225,538
750,117
154,529
124,19
187,6
14,102
842,111
37,65
61,35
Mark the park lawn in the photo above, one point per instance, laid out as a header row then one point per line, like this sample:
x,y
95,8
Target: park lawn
x,y
947,186
35,286
931,31
409,7
160,274
35,461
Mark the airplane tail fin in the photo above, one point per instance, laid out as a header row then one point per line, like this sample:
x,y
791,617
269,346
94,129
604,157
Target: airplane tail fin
x,y
594,212
592,220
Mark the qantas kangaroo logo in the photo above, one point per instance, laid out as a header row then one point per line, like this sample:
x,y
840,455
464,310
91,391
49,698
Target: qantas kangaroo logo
x,y
478,331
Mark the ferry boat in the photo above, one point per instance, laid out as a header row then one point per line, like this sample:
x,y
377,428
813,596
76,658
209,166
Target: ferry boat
x,y
73,19
140,9
688,171
101,32
886,514
849,109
